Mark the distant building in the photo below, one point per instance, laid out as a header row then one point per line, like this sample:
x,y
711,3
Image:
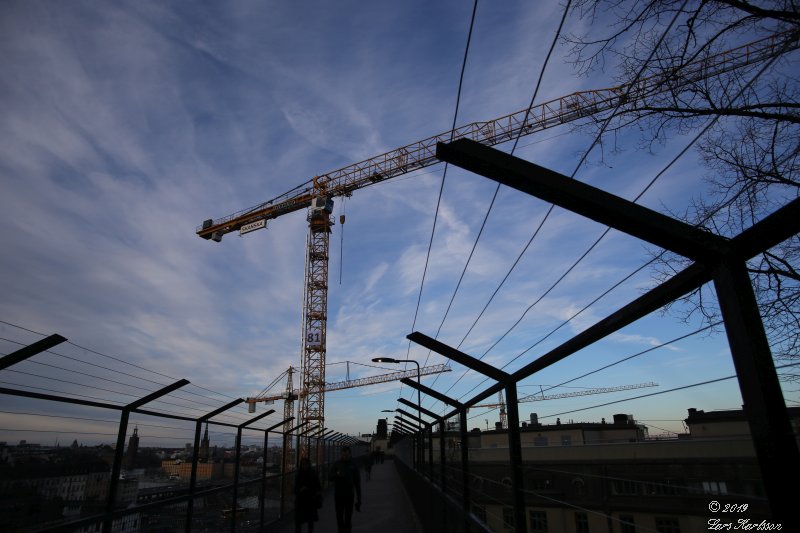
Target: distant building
x,y
581,477
133,449
382,431
181,469
205,454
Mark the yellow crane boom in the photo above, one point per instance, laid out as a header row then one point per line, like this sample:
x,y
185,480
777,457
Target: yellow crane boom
x,y
351,383
343,181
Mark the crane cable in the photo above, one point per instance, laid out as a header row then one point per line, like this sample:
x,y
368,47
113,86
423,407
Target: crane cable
x,y
550,210
341,239
497,189
444,176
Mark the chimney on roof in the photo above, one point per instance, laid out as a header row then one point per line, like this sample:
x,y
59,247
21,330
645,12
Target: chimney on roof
x,y
623,420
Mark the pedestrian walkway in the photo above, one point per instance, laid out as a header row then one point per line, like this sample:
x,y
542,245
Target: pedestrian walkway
x,y
385,507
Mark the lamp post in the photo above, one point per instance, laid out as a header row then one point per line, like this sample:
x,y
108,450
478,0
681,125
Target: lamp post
x,y
419,382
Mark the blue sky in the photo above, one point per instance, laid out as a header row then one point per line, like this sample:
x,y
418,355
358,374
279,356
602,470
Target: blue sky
x,y
125,125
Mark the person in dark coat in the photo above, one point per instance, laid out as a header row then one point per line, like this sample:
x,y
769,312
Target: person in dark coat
x,y
347,490
307,496
368,466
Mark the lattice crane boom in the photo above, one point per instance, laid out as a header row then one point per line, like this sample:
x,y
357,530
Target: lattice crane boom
x,y
344,181
351,383
501,404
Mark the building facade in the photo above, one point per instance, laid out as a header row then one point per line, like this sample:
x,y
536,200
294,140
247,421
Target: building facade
x,y
610,477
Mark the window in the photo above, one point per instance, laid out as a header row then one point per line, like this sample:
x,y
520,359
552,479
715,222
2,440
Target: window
x,y
566,440
540,441
715,487
578,487
508,517
581,523
626,524
624,487
667,525
538,520
664,488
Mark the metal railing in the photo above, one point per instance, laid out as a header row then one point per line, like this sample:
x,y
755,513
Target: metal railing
x,y
229,496
514,485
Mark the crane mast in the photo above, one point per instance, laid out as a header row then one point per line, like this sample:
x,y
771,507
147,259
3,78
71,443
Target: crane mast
x,y
315,311
318,193
288,414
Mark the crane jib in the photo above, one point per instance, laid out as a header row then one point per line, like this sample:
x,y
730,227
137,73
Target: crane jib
x,y
211,229
569,108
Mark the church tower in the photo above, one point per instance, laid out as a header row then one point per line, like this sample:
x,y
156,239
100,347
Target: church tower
x,y
133,449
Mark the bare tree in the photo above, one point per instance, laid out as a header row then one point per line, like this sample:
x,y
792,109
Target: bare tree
x,y
748,120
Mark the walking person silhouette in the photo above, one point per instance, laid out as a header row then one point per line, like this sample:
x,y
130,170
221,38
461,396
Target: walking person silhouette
x,y
347,490
307,496
368,466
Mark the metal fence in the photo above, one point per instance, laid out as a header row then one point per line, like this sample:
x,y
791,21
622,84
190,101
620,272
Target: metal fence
x,y
233,495
442,457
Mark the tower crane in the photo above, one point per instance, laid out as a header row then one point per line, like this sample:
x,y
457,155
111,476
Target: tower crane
x,y
294,394
317,194
501,404
290,394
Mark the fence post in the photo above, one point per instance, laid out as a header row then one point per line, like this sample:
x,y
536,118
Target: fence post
x,y
286,439
515,450
236,464
193,478
261,504
462,410
515,456
764,405
119,452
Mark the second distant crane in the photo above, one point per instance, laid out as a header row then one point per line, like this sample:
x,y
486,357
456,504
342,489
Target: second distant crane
x,y
501,404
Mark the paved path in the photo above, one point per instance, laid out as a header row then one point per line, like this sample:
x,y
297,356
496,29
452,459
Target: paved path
x,y
385,507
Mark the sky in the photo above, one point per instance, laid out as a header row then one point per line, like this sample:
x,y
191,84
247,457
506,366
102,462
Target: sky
x,y
125,125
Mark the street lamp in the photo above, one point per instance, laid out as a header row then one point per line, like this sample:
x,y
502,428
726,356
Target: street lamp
x,y
419,382
397,361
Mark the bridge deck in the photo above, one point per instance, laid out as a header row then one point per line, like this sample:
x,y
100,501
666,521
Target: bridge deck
x,y
385,506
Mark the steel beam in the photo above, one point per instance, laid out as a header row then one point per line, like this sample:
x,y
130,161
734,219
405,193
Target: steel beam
x,y
764,405
432,393
31,350
590,202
